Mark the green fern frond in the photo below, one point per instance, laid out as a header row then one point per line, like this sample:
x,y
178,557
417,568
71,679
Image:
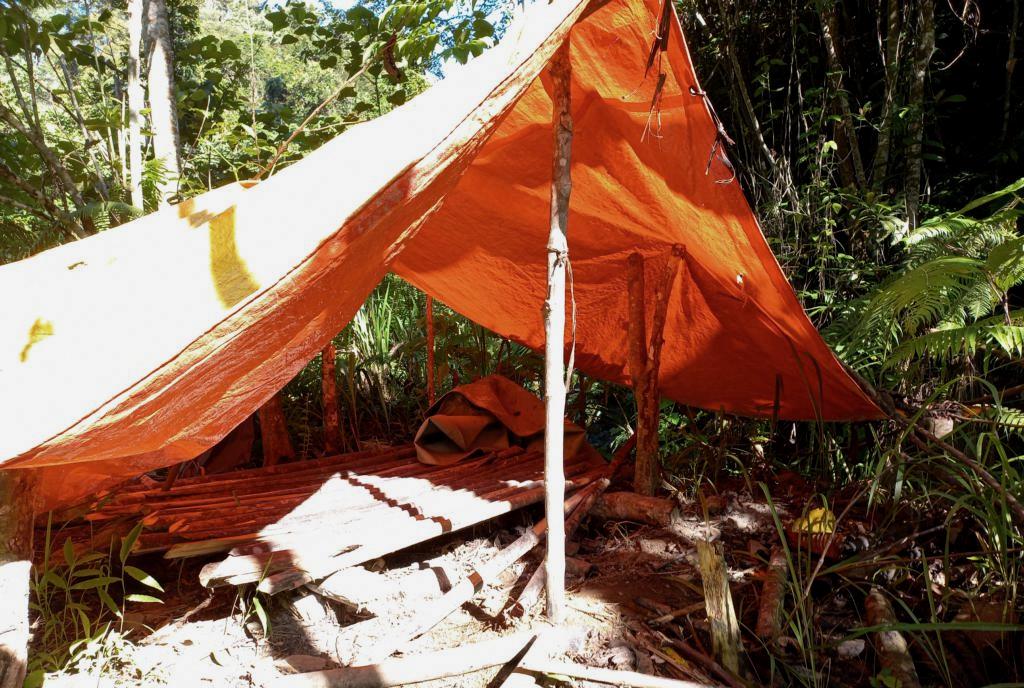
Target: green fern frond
x,y
944,344
1005,264
107,214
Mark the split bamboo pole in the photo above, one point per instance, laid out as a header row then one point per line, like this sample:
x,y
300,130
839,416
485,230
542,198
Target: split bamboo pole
x,y
554,334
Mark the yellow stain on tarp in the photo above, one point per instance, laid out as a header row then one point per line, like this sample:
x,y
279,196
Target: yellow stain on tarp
x,y
40,330
231,276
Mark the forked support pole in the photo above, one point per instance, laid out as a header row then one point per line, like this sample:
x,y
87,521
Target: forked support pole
x,y
554,335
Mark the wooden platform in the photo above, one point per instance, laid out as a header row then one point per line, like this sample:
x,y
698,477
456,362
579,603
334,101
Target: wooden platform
x,y
290,524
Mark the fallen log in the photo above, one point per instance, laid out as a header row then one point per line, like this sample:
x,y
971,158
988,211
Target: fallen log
x,y
415,668
629,506
891,646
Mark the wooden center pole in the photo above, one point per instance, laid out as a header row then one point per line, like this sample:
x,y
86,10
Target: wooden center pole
x,y
431,392
16,494
554,336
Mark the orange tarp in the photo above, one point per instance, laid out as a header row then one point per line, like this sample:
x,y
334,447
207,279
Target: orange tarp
x,y
144,345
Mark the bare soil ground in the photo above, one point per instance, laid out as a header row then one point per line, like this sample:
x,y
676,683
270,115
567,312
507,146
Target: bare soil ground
x,y
200,637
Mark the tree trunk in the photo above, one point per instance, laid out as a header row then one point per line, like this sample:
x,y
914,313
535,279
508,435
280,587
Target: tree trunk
x,y
849,149
922,58
892,75
162,106
15,570
277,444
1011,63
333,443
554,335
136,101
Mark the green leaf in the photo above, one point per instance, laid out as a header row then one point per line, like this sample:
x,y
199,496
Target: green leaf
x,y
278,19
289,38
146,599
108,601
261,614
91,583
128,542
229,50
69,553
483,28
143,577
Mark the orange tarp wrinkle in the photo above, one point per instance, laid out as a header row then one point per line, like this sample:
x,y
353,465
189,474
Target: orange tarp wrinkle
x,y
142,346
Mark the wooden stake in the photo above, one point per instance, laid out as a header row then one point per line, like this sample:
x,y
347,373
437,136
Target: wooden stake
x,y
644,357
16,494
329,390
646,475
554,334
773,593
431,392
277,444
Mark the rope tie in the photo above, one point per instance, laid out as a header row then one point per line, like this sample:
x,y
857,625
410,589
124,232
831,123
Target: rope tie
x,y
562,258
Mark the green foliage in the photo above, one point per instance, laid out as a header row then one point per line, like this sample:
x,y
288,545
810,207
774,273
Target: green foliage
x,y
79,600
951,301
246,78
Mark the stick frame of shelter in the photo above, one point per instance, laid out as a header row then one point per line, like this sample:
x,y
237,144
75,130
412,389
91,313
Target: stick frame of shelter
x,y
333,443
554,334
277,444
644,351
429,317
16,528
